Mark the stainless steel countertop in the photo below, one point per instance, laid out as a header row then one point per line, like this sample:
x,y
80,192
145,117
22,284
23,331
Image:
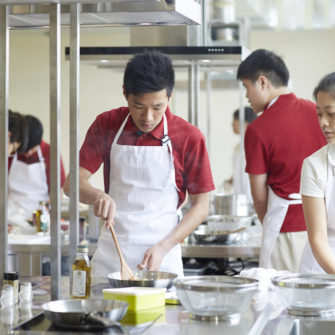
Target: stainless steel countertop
x,y
178,321
245,248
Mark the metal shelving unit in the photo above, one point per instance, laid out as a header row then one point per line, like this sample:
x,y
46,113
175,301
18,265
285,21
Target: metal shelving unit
x,y
52,14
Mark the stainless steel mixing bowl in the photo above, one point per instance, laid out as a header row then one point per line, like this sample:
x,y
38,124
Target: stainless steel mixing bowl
x,y
307,294
215,296
144,279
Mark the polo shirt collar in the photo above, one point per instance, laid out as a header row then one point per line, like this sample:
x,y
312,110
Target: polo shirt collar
x,y
278,97
157,132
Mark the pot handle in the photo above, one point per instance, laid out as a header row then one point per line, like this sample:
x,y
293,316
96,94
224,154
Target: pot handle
x,y
96,317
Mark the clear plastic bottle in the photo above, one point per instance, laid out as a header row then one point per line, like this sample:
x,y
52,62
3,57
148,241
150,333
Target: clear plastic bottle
x,y
81,273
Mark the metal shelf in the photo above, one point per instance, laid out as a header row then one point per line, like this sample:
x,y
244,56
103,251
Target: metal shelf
x,y
105,12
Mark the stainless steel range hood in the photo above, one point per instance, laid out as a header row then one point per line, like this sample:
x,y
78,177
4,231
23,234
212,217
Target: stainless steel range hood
x,y
213,56
107,12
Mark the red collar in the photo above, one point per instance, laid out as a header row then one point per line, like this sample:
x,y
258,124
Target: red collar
x,y
156,133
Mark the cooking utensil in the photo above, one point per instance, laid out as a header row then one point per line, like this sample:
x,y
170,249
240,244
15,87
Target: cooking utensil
x,y
203,234
146,279
79,314
232,204
126,272
307,294
216,297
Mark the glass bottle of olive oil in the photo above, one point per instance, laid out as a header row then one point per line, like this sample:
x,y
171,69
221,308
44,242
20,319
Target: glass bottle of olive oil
x,y
81,274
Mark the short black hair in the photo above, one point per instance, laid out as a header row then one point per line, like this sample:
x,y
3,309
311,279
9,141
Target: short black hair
x,y
35,131
19,130
326,84
266,63
249,114
148,72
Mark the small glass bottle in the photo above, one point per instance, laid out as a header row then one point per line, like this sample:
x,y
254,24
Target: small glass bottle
x,y
12,278
42,217
81,273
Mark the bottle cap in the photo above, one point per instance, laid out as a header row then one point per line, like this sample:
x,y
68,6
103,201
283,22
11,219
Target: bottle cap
x,y
10,276
83,246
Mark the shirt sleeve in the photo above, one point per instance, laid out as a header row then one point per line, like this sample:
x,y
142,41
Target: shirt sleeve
x,y
198,174
255,152
62,173
93,149
311,184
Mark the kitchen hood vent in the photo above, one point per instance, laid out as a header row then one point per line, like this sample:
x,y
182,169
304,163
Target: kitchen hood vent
x,y
206,56
107,12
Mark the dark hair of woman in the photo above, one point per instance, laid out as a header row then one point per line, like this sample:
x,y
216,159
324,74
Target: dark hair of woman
x,y
19,130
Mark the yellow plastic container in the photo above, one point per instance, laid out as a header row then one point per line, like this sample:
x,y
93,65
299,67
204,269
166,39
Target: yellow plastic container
x,y
138,298
144,316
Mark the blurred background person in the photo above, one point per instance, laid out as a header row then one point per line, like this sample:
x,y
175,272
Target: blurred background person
x,y
318,187
28,174
239,181
276,144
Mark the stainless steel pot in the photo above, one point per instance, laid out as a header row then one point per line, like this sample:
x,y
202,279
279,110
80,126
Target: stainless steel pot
x,y
85,314
144,279
232,204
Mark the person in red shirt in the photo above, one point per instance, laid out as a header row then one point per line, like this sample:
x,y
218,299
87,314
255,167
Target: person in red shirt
x,y
276,144
151,159
29,171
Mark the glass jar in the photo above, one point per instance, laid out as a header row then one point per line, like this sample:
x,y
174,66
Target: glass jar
x,y
12,279
81,274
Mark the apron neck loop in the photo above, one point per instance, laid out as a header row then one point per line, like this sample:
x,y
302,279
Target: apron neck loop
x,y
39,153
330,165
165,139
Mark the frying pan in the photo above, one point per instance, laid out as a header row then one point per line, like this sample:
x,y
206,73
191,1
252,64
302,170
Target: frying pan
x,y
85,314
143,279
204,234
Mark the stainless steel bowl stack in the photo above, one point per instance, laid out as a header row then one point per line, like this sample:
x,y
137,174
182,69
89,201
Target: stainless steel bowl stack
x,y
222,229
307,294
216,297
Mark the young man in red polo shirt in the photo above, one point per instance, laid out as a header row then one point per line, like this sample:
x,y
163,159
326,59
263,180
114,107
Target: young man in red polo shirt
x,y
276,144
151,159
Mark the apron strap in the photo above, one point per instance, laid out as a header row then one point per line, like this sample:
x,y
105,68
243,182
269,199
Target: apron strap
x,y
118,134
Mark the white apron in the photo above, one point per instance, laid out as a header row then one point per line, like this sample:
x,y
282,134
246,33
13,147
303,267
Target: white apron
x,y
272,223
308,263
27,185
142,184
241,184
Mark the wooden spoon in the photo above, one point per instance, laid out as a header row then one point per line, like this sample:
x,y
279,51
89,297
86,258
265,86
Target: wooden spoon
x,y
126,272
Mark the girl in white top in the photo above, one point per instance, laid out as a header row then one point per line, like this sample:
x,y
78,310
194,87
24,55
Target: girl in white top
x,y
318,187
